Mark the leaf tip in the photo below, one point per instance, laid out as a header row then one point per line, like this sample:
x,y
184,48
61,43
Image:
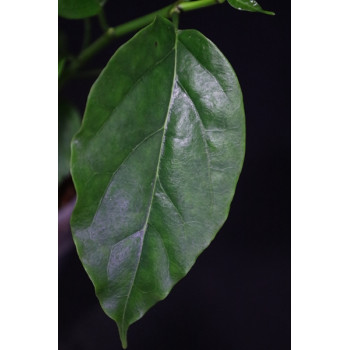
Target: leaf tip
x,y
124,343
123,337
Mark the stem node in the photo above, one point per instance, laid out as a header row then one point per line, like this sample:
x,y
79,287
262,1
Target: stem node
x,y
111,33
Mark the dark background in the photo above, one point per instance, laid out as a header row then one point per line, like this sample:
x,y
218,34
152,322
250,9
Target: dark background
x,y
237,295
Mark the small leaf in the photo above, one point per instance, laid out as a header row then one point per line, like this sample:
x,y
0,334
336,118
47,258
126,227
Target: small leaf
x,y
155,165
68,125
76,9
61,63
248,5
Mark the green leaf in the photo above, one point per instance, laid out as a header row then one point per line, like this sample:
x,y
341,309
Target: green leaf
x,y
61,63
155,166
248,5
68,125
76,9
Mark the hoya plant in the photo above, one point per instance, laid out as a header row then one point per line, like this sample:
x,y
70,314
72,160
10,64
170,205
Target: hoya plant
x,y
157,156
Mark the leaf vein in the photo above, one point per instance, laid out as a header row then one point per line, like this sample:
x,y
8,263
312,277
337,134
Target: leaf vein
x,y
139,79
202,128
165,249
114,246
205,68
172,202
154,182
116,171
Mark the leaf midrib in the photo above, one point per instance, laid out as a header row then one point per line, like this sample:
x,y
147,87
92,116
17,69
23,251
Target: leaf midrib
x,y
132,87
161,149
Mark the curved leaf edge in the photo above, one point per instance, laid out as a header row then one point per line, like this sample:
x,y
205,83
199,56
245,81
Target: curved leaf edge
x,y
80,13
249,6
69,121
123,333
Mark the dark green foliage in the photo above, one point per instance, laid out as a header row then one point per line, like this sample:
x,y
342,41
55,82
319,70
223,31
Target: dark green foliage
x,y
68,125
155,166
75,9
61,63
248,5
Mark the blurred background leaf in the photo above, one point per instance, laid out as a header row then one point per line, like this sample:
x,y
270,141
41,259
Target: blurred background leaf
x,y
68,124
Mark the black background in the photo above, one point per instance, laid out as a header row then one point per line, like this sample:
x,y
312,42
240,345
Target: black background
x,y
237,295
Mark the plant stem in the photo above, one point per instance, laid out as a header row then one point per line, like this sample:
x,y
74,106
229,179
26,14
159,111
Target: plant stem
x,y
195,5
102,20
175,18
140,22
93,49
113,33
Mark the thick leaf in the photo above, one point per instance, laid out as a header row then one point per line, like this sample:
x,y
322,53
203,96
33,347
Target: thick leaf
x,y
75,9
155,166
68,125
248,5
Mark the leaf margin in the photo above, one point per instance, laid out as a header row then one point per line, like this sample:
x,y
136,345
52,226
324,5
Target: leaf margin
x,y
123,334
249,6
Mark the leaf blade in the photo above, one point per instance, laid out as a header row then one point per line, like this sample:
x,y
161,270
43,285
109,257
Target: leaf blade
x,y
61,63
68,125
145,208
77,9
249,5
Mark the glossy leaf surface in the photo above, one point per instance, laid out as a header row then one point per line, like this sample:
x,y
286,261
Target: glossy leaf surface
x,y
75,9
248,5
155,166
68,125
